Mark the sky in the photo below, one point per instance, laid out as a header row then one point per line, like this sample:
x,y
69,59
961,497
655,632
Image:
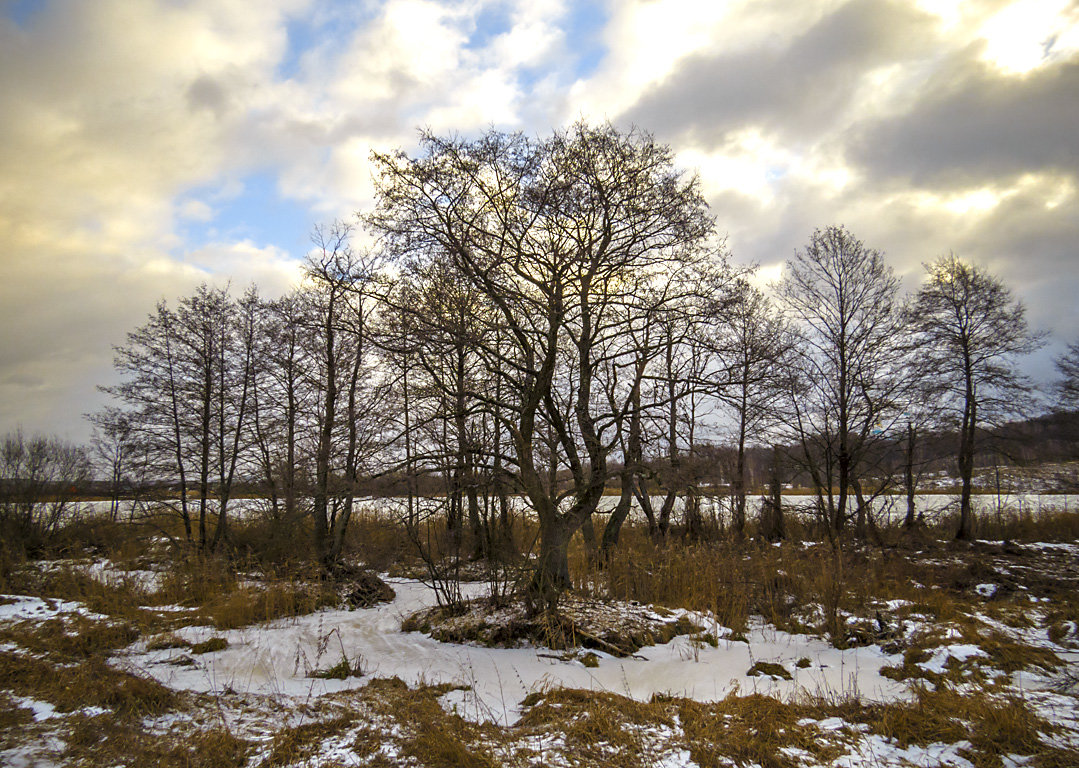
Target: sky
x,y
147,146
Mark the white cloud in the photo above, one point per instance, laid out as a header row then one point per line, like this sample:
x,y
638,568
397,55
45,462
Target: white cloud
x,y
1030,34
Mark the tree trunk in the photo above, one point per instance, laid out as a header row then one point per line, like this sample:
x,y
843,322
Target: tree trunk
x,y
966,459
909,522
551,576
618,515
772,523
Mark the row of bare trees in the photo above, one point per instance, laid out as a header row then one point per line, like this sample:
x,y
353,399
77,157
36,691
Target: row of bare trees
x,y
543,319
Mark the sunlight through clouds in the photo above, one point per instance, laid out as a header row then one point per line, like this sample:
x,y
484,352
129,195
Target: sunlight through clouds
x,y
1031,33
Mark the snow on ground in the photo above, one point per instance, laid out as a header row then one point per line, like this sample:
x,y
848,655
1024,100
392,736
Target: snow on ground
x,y
276,658
24,608
938,662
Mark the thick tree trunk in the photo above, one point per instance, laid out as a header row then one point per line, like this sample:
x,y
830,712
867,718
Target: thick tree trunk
x,y
321,499
551,576
663,523
738,482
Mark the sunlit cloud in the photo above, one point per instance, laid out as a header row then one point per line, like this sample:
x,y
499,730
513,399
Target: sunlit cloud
x,y
1031,33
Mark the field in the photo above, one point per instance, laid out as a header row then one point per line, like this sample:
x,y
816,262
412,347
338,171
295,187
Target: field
x,y
122,649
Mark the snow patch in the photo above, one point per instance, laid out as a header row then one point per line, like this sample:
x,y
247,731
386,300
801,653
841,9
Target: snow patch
x,y
938,662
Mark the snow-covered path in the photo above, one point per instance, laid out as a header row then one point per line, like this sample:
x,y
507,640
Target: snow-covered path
x,y
275,658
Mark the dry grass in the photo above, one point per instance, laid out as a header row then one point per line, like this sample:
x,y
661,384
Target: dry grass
x,y
89,683
11,714
598,728
71,637
747,730
429,734
277,599
106,741
769,669
1023,525
211,645
121,598
291,745
212,585
995,725
64,659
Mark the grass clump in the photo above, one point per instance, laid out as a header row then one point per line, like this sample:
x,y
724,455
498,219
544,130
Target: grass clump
x,y
256,604
430,735
212,645
12,715
749,730
71,637
1009,655
120,598
995,725
597,728
167,642
342,670
769,669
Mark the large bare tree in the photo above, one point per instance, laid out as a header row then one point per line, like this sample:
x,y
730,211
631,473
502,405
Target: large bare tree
x,y
972,331
844,302
187,379
558,235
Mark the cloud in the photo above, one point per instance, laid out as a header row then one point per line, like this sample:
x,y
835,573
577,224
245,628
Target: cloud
x,y
138,138
797,89
112,110
973,124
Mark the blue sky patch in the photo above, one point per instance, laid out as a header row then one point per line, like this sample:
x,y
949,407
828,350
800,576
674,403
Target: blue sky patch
x,y
21,11
258,213
584,27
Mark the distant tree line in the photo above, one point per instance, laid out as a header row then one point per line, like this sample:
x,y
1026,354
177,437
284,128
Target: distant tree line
x,y
545,319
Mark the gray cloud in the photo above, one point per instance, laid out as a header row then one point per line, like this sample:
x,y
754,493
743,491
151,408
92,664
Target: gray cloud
x,y
972,125
796,91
